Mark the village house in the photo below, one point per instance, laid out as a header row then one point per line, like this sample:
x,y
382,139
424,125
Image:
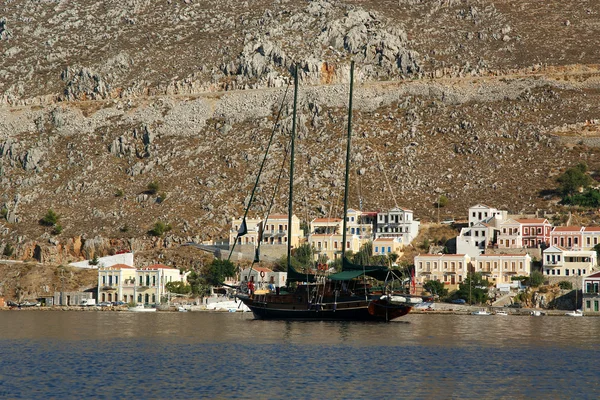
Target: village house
x,y
451,269
361,223
397,222
330,245
501,268
385,246
482,213
575,237
591,293
524,233
560,262
474,239
274,230
142,285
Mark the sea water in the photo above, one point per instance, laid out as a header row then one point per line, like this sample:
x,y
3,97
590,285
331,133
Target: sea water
x,y
94,354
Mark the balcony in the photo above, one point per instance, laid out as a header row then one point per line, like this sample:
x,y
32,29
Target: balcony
x,y
108,287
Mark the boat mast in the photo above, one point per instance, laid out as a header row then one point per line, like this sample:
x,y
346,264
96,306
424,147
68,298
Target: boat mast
x,y
347,162
291,193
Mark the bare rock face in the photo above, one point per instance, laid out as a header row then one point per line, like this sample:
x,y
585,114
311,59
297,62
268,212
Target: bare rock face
x,y
5,34
83,84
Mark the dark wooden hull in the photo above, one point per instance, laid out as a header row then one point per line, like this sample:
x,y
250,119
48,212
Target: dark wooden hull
x,y
350,310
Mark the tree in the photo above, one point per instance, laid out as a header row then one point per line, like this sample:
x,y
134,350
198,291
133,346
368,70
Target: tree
x,y
50,219
57,229
597,249
94,261
442,201
178,287
153,187
474,288
393,257
536,278
218,270
304,255
159,229
198,284
565,285
435,287
573,179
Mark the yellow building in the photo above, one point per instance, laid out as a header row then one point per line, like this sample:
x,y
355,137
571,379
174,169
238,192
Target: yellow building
x,y
274,230
384,246
116,283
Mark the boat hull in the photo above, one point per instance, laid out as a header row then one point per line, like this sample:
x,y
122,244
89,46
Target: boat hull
x,y
365,310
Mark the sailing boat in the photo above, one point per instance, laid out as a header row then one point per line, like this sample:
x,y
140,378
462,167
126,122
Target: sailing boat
x,y
576,312
339,296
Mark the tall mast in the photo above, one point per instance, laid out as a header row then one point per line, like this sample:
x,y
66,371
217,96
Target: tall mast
x,y
349,142
290,200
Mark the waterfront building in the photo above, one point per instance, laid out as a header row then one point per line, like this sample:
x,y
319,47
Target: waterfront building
x,y
142,285
116,283
558,261
361,223
501,268
397,222
448,268
591,293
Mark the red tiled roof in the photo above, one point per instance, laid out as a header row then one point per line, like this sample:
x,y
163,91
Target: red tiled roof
x,y
502,255
596,275
278,216
441,255
121,266
567,229
326,220
531,220
385,239
592,229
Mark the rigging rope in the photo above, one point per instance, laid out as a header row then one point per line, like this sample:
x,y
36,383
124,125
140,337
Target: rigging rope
x,y
243,228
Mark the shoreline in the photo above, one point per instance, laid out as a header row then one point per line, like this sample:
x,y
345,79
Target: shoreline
x,y
173,309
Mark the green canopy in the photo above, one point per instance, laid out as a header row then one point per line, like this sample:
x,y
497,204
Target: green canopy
x,y
295,276
345,275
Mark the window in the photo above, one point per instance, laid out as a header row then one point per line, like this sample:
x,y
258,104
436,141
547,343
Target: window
x,y
588,304
389,249
116,279
153,280
104,279
376,249
141,281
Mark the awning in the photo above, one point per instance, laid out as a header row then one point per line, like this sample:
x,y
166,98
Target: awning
x,y
345,275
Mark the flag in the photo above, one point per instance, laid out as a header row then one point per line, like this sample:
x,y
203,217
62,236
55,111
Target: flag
x,y
243,229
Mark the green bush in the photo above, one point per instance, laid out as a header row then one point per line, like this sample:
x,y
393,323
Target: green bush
x,y
8,250
119,193
535,279
124,228
57,229
153,187
3,212
565,285
94,261
159,229
50,219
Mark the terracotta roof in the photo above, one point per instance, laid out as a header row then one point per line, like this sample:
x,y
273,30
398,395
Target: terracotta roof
x,y
441,255
592,229
277,216
326,220
260,269
531,220
595,275
385,239
120,266
502,255
326,234
567,229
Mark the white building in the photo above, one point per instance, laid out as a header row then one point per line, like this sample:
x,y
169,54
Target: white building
x,y
397,222
558,261
483,213
142,285
474,239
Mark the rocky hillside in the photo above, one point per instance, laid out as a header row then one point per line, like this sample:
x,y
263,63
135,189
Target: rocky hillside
x,y
463,98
